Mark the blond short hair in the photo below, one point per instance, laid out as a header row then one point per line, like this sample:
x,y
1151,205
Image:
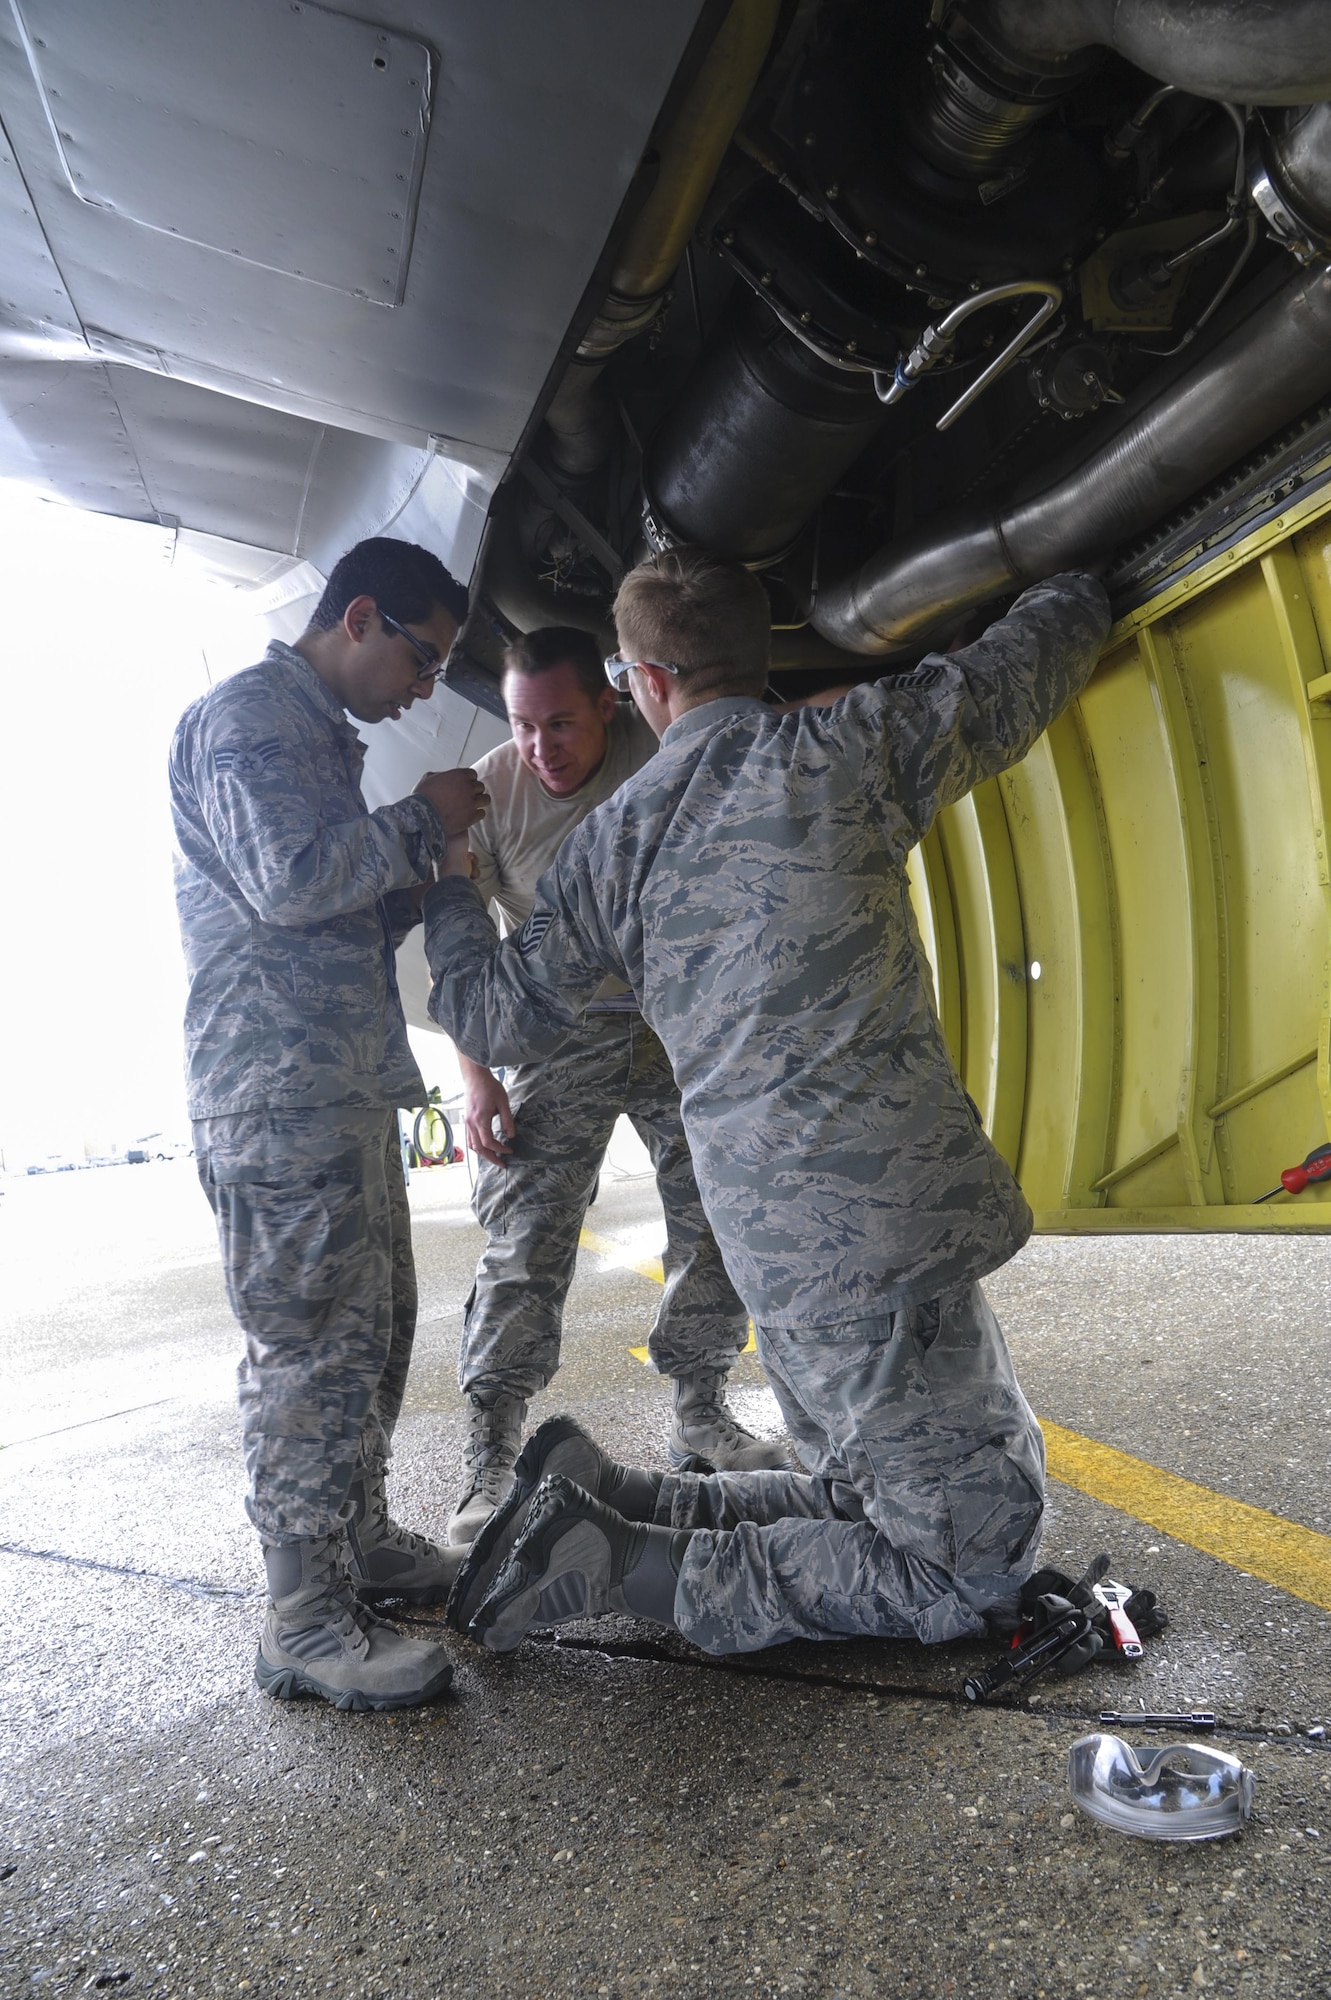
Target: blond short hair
x,y
699,612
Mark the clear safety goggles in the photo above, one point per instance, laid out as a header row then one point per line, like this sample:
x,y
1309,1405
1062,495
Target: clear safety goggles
x,y
1184,1791
618,669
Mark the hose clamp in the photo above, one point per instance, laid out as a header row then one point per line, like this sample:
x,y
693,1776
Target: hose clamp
x,y
1290,229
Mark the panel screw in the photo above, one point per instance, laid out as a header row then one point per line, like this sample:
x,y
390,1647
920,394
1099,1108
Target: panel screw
x,y
810,139
766,278
921,270
870,237
729,236
833,192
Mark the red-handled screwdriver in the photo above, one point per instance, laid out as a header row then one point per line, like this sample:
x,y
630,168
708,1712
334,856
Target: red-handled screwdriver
x,y
1317,1167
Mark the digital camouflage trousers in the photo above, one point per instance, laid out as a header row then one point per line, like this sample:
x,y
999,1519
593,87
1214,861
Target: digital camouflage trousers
x,y
923,1502
312,1218
531,1209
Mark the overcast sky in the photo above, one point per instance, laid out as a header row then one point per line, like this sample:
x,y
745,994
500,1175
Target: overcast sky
x,y
106,642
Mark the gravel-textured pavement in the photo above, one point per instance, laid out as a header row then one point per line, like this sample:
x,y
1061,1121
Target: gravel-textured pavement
x,y
610,1813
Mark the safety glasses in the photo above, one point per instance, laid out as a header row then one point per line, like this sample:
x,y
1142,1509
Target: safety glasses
x,y
617,670
431,664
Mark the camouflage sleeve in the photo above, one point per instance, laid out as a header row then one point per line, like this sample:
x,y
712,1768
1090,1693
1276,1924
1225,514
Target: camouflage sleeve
x,y
507,1000
923,740
260,800
403,912
486,877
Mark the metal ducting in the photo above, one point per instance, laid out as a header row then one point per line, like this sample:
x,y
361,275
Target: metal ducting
x,y
1259,378
1234,51
578,419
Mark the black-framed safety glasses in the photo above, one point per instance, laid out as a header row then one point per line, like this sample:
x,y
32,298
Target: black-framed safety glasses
x,y
617,670
431,664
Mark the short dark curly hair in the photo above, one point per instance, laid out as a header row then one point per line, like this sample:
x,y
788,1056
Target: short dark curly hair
x,y
404,580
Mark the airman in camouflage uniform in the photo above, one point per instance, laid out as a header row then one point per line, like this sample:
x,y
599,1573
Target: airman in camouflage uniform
x,y
750,884
573,745
292,898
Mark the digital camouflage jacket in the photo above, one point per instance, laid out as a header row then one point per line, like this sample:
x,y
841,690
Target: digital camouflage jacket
x,y
750,885
291,899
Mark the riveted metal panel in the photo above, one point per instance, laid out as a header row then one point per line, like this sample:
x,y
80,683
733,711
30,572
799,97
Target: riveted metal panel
x,y
37,316
286,136
539,119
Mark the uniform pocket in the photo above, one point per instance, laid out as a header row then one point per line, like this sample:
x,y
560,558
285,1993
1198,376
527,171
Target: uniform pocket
x,y
996,1496
291,1249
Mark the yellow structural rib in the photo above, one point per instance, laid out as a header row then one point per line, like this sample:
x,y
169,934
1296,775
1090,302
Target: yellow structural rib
x,y
1162,857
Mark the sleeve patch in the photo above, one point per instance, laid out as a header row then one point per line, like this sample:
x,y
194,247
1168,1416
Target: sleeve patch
x,y
535,928
247,758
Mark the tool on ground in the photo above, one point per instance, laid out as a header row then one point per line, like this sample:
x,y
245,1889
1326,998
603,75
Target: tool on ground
x,y
1033,1656
1095,1571
1197,1718
1114,1597
1317,1167
1036,1624
1185,1791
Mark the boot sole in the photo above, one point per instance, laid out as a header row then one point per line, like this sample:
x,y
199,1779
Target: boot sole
x,y
528,1472
291,1683
577,1540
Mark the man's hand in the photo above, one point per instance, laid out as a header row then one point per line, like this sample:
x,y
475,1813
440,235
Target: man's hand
x,y
459,860
459,798
486,1099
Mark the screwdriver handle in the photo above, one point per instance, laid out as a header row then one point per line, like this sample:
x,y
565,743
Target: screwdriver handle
x,y
1317,1167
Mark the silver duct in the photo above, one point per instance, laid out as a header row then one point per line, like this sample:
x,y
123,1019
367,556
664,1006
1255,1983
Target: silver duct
x,y
1237,51
1258,379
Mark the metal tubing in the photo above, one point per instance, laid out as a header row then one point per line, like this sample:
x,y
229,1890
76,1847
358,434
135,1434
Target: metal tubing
x,y
1246,51
578,419
1264,374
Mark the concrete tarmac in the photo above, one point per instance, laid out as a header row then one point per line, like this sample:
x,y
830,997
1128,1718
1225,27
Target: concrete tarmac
x,y
611,1813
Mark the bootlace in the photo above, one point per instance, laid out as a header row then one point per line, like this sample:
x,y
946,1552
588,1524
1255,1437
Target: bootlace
x,y
712,1409
331,1602
379,1527
490,1451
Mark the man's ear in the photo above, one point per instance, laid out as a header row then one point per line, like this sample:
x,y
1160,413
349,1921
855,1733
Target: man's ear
x,y
607,701
658,681
358,618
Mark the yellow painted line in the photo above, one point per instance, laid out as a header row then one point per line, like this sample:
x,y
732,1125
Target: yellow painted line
x,y
650,1267
1294,1558
605,1246
1263,1545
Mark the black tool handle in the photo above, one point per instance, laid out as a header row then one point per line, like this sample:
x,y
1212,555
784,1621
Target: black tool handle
x,y
1197,1718
1030,1659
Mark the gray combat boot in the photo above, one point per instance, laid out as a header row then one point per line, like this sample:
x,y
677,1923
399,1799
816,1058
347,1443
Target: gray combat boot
x,y
559,1445
317,1639
704,1426
387,1561
577,1558
494,1436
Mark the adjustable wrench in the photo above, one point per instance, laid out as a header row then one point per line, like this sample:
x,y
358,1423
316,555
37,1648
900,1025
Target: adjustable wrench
x,y
1114,1596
